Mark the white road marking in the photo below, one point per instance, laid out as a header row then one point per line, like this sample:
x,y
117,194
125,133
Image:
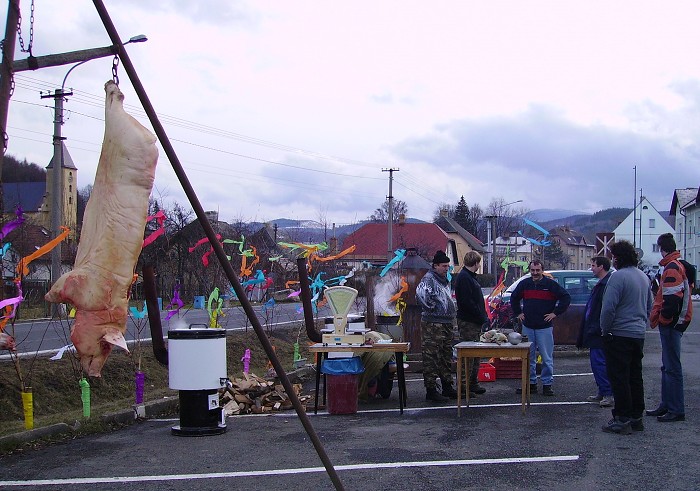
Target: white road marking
x,y
279,472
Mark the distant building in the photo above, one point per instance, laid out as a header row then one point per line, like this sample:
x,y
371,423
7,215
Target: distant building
x,y
463,242
642,227
685,208
574,246
516,248
36,198
371,242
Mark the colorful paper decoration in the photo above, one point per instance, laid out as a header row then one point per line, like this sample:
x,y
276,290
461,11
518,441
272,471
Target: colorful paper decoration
x,y
246,361
160,219
23,266
398,256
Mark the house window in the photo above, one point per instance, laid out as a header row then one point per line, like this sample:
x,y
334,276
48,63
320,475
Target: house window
x,y
70,200
654,248
652,223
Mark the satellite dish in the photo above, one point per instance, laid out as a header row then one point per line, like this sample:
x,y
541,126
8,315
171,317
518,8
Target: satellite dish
x,y
640,252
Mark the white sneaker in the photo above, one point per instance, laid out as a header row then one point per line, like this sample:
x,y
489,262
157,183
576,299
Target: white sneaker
x,y
607,401
595,398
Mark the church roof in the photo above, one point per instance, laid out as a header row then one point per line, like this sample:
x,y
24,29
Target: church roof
x,y
67,159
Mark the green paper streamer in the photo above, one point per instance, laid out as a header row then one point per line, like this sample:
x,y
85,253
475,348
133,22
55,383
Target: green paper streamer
x,y
85,396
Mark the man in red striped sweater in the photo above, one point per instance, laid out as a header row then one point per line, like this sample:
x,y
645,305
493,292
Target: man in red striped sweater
x,y
543,299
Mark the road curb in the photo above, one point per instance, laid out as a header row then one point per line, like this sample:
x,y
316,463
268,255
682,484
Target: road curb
x,y
151,409
168,406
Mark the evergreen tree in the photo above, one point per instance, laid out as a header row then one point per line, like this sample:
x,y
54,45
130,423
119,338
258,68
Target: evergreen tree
x,y
554,257
462,214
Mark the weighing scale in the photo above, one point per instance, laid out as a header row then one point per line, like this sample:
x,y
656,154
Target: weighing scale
x,y
340,300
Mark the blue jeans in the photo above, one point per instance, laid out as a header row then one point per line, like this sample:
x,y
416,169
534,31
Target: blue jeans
x,y
671,371
600,372
543,341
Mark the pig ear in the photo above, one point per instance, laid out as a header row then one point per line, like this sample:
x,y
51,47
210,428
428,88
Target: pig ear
x,y
116,338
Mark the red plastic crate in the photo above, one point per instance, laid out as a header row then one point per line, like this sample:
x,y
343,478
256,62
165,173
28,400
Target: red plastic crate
x,y
508,368
487,373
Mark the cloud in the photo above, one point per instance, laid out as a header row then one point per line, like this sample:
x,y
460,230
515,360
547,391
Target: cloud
x,y
547,160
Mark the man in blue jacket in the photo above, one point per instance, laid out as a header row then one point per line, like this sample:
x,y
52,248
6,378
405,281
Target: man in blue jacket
x,y
590,335
542,299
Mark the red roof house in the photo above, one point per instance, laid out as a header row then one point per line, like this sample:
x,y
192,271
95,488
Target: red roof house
x,y
372,245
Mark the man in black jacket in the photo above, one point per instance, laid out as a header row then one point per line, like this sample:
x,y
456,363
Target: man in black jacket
x,y
543,300
471,312
590,335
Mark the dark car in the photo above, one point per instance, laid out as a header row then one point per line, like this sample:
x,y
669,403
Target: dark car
x,y
579,283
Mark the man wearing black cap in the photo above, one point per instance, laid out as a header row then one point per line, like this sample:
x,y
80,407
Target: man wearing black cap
x,y
434,295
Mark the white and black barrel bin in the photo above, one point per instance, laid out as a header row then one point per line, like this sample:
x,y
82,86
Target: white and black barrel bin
x,y
197,368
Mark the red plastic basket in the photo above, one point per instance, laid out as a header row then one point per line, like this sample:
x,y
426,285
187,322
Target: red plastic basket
x,y
507,368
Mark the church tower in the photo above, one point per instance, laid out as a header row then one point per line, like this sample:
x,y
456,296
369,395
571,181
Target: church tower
x,y
69,178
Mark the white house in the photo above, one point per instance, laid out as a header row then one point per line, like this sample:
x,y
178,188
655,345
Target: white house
x,y
642,227
685,206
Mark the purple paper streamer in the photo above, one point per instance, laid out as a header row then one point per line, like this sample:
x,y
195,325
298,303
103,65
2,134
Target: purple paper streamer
x,y
139,378
10,226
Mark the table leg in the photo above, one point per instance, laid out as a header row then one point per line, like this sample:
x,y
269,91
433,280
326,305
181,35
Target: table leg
x,y
459,384
402,380
466,381
525,381
527,367
319,356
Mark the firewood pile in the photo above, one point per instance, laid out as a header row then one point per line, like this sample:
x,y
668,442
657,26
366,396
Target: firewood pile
x,y
256,395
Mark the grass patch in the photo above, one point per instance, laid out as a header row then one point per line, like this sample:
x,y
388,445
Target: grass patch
x,y
56,393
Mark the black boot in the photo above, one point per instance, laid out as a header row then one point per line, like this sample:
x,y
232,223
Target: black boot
x,y
449,391
476,388
434,396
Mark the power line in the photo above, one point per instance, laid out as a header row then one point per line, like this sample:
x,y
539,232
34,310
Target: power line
x,y
96,101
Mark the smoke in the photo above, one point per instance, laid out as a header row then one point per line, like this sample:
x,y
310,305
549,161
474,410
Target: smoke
x,y
386,287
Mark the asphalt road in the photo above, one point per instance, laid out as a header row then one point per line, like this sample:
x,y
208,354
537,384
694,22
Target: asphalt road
x,y
558,444
49,335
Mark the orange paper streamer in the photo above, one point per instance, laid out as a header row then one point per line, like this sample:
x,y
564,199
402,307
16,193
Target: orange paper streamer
x,y
23,266
404,289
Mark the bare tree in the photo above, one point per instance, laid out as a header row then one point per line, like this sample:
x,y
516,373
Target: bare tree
x,y
381,214
508,218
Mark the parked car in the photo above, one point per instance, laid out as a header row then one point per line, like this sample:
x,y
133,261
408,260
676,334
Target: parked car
x,y
579,283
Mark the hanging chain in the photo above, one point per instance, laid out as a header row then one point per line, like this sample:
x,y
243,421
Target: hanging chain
x,y
31,29
115,67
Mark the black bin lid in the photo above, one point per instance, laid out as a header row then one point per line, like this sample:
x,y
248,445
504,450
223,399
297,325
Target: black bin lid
x,y
196,333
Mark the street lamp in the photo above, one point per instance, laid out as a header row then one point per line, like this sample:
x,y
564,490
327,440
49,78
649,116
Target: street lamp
x,y
491,235
57,185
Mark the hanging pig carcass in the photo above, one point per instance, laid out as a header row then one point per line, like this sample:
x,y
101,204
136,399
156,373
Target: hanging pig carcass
x,y
111,236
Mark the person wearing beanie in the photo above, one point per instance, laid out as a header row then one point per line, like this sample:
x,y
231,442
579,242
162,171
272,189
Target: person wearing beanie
x,y
434,296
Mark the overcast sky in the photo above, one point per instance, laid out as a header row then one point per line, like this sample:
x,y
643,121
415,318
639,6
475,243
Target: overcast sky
x,y
293,109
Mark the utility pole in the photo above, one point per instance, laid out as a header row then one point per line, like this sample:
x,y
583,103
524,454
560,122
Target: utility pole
x,y
640,217
390,238
634,210
493,254
57,184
